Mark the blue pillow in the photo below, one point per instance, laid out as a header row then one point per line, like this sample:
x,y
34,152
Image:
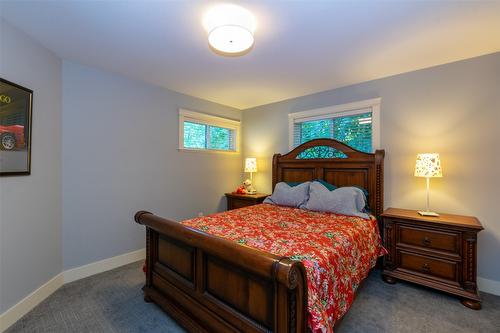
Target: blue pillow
x,y
325,184
344,200
291,196
293,184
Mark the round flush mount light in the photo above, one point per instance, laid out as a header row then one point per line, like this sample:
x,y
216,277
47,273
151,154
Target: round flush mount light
x,y
230,29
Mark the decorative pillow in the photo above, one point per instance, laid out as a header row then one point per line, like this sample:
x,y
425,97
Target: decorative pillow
x,y
366,209
364,196
329,186
344,200
293,184
291,196
360,198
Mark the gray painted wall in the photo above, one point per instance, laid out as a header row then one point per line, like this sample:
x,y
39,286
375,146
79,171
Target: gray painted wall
x,y
30,206
452,109
120,155
120,143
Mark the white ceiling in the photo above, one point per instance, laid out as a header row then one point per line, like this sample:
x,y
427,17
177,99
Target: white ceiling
x,y
301,47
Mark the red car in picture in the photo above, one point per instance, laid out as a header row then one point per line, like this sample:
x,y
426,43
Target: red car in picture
x,y
12,137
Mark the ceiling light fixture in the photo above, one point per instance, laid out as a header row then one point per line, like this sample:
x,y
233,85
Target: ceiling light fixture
x,y
230,29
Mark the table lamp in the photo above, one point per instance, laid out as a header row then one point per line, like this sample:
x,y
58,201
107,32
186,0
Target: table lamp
x,y
428,166
250,166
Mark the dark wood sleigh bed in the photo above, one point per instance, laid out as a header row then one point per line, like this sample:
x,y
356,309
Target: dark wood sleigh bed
x,y
209,284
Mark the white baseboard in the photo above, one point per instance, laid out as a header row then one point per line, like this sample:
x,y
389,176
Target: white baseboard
x,y
24,306
489,286
104,265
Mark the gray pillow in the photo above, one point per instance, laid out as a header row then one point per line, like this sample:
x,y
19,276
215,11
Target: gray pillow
x,y
360,198
344,200
291,196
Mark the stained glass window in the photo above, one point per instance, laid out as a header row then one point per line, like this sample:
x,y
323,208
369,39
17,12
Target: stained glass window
x,y
321,152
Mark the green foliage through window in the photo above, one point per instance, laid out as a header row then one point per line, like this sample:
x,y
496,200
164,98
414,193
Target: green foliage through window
x,y
316,129
203,136
194,135
220,138
355,130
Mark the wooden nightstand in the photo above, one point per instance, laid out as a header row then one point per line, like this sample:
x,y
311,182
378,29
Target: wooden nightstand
x,y
243,200
437,252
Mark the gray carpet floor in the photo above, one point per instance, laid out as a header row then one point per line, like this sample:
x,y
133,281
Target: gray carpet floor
x,y
112,302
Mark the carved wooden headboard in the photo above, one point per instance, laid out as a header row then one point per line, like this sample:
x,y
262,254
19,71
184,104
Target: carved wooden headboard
x,y
336,163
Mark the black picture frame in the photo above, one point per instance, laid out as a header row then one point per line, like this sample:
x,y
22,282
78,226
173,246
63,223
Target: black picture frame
x,y
16,108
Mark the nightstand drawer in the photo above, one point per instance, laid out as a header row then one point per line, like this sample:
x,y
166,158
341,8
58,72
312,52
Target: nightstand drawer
x,y
429,238
443,269
236,203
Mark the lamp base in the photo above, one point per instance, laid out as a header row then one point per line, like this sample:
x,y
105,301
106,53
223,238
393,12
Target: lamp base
x,y
426,213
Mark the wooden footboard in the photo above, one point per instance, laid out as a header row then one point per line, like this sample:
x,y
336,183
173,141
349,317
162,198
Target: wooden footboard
x,y
209,284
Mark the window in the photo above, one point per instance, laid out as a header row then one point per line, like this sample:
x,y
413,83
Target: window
x,y
199,131
356,124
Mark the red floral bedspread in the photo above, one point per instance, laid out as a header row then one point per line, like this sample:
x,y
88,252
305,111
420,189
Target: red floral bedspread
x,y
337,250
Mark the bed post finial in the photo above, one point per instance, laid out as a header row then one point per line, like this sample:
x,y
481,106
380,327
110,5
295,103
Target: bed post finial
x,y
139,214
287,272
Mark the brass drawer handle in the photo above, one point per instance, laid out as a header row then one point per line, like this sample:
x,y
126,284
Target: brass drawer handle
x,y
426,241
426,268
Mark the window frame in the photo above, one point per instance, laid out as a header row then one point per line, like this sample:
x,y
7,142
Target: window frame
x,y
334,111
208,120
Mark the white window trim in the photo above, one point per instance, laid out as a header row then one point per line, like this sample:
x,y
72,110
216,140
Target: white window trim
x,y
369,105
206,119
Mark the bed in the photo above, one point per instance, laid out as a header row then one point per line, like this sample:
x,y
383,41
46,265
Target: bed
x,y
210,278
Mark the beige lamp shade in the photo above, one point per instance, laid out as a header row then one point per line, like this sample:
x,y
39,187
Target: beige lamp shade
x,y
428,166
251,164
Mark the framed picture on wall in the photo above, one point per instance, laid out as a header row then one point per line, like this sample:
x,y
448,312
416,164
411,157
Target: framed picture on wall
x,y
16,105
